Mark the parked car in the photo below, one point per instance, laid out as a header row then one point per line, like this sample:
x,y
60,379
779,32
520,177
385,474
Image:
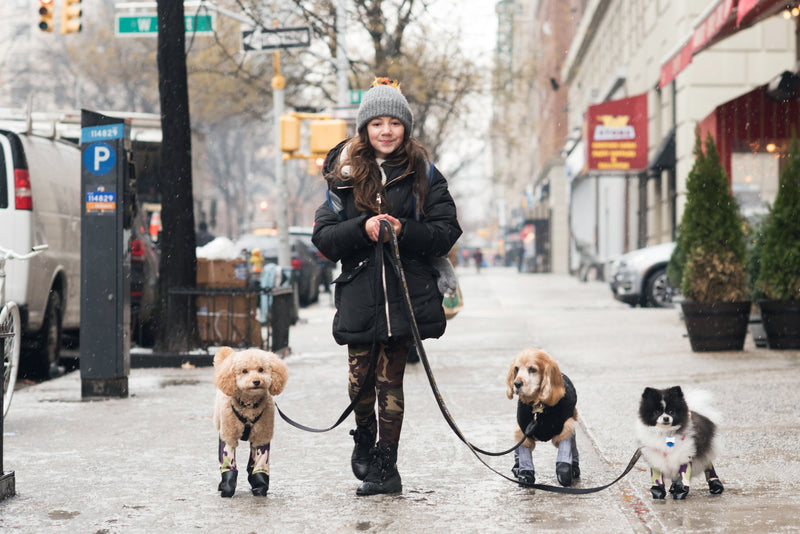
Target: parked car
x,y
640,277
326,266
40,185
303,260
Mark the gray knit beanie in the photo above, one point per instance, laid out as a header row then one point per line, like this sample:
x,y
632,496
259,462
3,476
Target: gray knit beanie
x,y
381,101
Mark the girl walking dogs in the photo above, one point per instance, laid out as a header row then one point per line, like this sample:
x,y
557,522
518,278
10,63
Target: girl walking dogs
x,y
383,174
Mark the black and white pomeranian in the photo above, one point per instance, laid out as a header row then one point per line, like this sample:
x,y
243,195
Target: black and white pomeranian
x,y
674,441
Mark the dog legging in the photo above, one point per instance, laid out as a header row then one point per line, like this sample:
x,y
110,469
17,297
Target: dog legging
x,y
567,452
258,462
685,472
386,385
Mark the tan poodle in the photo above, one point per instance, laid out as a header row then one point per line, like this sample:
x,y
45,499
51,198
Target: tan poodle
x,y
546,411
244,410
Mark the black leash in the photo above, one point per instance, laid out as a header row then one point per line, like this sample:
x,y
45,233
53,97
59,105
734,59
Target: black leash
x,y
373,356
395,260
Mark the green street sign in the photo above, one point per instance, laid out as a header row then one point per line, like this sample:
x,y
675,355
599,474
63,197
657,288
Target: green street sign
x,y
147,25
355,96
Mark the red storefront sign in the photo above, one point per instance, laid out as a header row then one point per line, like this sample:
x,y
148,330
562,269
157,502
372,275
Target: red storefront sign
x,y
617,135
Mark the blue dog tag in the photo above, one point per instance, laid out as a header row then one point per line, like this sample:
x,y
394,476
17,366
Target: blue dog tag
x,y
670,441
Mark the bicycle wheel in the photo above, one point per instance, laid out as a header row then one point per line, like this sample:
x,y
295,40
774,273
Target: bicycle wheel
x,y
10,322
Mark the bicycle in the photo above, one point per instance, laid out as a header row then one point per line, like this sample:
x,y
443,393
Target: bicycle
x,y
11,323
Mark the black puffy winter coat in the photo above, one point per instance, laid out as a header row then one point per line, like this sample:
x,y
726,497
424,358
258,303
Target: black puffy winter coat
x,y
339,234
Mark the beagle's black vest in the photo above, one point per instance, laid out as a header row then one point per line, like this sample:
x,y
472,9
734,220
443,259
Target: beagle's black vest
x,y
550,421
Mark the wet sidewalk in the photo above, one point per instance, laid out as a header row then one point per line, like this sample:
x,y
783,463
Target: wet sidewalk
x,y
148,463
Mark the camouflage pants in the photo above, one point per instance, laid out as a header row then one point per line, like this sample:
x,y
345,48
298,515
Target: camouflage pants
x,y
384,385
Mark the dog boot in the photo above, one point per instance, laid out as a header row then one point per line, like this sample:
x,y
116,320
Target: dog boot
x,y
714,483
382,476
228,483
678,490
576,469
259,483
658,492
258,469
657,489
526,477
564,473
564,463
364,436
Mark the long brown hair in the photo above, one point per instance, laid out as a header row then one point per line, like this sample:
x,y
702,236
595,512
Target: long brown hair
x,y
365,176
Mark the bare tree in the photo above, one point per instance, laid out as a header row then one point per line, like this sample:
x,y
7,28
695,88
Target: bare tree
x,y
177,268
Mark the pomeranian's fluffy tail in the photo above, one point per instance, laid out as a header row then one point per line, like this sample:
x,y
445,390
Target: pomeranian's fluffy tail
x,y
700,401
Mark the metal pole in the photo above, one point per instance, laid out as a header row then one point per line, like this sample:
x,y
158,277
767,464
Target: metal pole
x,y
278,85
342,65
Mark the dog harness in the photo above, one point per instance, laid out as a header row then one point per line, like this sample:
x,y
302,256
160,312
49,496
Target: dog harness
x,y
248,424
546,422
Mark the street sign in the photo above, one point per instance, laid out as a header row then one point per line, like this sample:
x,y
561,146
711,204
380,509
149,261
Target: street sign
x,y
265,39
355,96
147,25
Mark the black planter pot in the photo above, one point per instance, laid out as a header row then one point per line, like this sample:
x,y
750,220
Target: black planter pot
x,y
781,320
716,326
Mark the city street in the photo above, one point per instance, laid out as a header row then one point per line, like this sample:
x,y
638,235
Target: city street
x,y
148,463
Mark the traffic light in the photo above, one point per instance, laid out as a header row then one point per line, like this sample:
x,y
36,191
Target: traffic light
x,y
70,16
290,133
315,165
326,134
46,23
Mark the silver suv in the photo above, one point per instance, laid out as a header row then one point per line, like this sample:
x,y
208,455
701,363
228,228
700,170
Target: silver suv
x,y
640,277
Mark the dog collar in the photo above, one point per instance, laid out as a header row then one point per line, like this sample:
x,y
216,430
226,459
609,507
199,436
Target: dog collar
x,y
248,404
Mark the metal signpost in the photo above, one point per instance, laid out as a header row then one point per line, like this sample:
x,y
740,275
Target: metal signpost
x,y
105,255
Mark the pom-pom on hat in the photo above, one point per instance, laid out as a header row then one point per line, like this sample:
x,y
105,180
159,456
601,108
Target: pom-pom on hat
x,y
384,99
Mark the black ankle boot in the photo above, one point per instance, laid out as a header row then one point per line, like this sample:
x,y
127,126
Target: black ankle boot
x,y
364,436
715,486
658,492
228,483
259,483
678,490
564,473
382,476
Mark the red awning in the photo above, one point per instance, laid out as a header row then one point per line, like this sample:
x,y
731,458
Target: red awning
x,y
719,21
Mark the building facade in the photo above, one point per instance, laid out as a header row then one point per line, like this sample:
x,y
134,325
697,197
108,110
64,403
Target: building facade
x,y
686,59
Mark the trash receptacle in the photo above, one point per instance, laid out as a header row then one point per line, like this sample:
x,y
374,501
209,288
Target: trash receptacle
x,y
280,318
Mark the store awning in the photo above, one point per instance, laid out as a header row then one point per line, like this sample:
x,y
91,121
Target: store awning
x,y
664,156
720,20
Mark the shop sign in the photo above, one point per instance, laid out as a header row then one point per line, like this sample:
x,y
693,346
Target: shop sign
x,y
617,135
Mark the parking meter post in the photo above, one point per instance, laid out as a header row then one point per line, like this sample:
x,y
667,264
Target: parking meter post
x,y
105,256
7,480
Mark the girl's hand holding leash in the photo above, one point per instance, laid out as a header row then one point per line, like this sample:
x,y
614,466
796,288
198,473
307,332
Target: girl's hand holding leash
x,y
373,226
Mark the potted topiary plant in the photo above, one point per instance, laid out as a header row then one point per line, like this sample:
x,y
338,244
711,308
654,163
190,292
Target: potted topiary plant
x,y
779,275
709,258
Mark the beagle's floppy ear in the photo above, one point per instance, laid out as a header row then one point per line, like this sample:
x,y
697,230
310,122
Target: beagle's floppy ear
x,y
224,377
280,374
512,375
552,387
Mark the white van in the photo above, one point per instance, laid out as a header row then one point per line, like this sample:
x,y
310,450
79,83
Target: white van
x,y
40,186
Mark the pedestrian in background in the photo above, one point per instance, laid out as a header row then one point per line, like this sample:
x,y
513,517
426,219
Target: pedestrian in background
x,y
383,174
203,236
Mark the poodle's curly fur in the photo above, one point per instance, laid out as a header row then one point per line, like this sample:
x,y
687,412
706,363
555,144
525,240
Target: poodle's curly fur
x,y
248,380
